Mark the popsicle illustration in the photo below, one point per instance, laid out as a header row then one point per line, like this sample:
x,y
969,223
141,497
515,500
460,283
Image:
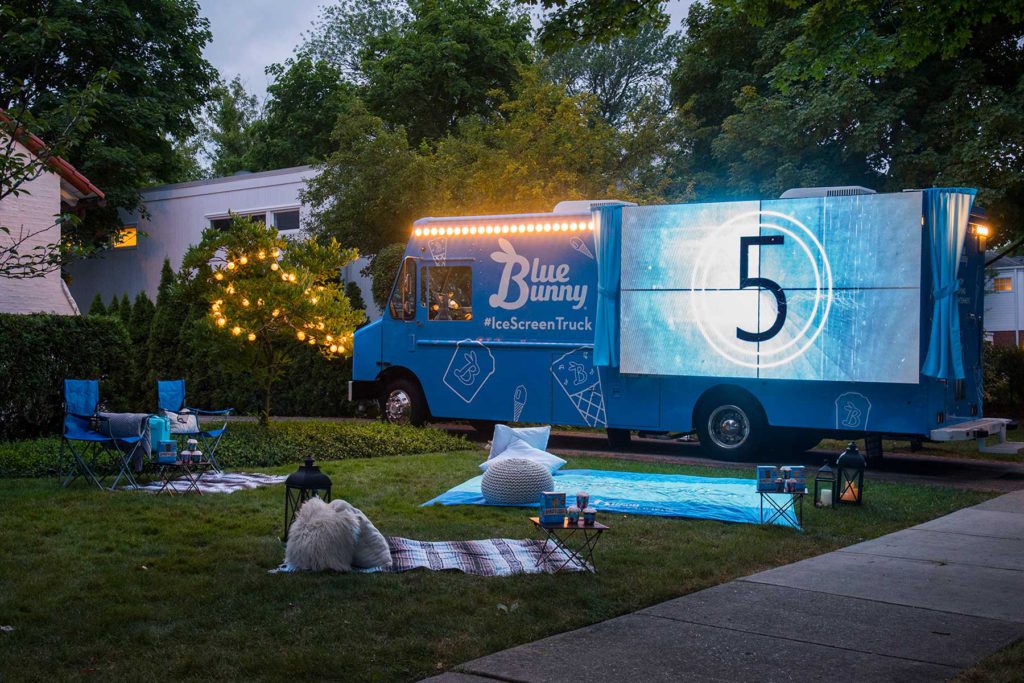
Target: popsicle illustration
x,y
518,402
580,246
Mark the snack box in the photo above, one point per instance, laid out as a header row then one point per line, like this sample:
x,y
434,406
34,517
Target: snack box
x,y
168,453
552,507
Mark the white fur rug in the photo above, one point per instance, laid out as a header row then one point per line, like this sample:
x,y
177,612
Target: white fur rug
x,y
334,536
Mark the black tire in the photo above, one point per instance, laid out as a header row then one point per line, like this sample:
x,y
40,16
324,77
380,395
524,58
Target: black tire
x,y
619,439
402,402
732,427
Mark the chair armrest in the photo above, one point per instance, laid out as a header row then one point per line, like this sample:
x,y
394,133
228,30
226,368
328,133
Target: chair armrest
x,y
200,411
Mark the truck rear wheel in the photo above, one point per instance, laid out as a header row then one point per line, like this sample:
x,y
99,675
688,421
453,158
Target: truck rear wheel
x,y
731,427
403,403
619,439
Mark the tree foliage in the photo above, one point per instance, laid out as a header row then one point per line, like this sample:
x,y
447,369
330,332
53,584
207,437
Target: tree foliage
x,y
383,270
229,117
575,22
153,47
620,72
899,107
543,146
452,58
269,294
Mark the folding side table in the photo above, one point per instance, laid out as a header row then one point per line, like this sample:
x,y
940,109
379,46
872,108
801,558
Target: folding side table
x,y
577,541
791,509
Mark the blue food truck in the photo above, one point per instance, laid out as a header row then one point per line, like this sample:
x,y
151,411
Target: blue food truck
x,y
827,312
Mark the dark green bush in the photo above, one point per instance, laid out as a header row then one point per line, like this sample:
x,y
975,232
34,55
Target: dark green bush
x,y
1004,380
249,445
39,351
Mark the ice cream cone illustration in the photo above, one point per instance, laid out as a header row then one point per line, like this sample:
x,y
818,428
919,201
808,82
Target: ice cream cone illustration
x,y
579,379
580,246
438,250
518,402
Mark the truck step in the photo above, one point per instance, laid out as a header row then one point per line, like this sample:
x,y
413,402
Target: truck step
x,y
1004,448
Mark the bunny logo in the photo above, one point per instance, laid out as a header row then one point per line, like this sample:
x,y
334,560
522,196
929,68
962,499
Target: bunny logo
x,y
470,367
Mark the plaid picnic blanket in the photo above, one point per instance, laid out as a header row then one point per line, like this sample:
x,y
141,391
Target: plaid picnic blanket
x,y
488,557
221,482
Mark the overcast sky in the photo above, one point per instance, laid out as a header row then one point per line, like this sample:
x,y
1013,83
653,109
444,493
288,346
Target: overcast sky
x,y
248,35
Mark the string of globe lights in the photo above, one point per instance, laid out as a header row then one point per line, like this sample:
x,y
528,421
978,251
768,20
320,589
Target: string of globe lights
x,y
332,344
501,229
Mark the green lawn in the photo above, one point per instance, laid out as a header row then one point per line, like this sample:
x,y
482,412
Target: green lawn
x,y
132,585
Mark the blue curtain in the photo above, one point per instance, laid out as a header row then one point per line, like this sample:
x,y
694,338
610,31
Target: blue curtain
x,y
608,238
946,214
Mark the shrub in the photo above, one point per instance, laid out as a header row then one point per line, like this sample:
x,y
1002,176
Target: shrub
x,y
40,351
1004,380
280,443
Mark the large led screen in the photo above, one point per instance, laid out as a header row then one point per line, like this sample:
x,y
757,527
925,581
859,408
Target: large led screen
x,y
814,289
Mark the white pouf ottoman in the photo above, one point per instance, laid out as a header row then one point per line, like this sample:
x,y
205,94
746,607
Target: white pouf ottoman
x,y
515,481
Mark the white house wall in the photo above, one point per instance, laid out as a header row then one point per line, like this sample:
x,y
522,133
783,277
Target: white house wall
x,y
178,214
1004,311
34,210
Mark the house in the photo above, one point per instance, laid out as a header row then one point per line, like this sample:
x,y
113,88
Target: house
x,y
31,217
1004,303
174,218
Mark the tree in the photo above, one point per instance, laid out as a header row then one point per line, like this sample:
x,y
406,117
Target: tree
x,y
341,31
571,22
97,307
355,296
172,311
54,50
303,104
451,59
542,147
139,326
268,294
899,107
124,310
619,73
383,270
114,309
228,120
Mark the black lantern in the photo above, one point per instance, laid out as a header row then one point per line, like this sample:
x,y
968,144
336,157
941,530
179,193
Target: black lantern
x,y
301,485
850,475
825,487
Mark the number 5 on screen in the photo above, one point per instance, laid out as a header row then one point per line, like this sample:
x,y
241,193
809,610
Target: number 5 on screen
x,y
763,282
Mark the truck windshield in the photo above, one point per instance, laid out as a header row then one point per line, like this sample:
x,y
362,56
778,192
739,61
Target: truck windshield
x,y
448,292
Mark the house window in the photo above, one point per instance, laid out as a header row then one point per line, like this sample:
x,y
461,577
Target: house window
x,y
220,223
1003,284
126,237
286,220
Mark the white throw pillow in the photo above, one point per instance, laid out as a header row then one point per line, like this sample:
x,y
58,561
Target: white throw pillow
x,y
505,435
182,423
521,450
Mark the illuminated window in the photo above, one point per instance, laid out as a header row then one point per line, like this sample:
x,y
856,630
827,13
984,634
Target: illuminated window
x,y
126,237
449,293
1003,284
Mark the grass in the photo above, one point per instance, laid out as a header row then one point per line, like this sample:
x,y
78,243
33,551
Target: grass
x,y
949,449
1005,666
135,586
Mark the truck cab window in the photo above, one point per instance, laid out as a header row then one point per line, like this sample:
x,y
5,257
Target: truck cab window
x,y
449,293
403,299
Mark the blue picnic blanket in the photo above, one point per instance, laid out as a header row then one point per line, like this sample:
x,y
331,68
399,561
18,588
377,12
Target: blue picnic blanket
x,y
643,493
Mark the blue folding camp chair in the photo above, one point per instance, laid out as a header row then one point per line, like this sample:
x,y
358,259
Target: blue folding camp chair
x,y
171,397
87,437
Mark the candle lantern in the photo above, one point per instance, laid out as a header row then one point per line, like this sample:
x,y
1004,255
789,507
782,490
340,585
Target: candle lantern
x,y
825,487
850,475
301,485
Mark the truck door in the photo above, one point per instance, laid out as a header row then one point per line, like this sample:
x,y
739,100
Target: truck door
x,y
402,308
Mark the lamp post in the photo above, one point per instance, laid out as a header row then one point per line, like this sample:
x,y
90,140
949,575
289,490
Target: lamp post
x,y
301,485
825,487
850,476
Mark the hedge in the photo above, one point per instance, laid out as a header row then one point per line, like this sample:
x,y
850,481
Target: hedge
x,y
247,444
39,351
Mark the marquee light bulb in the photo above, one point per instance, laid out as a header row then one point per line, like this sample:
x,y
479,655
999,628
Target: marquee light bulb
x,y
274,266
276,312
236,330
334,348
231,265
261,255
314,300
300,335
245,302
252,336
275,252
218,275
243,259
291,277
417,232
221,322
312,341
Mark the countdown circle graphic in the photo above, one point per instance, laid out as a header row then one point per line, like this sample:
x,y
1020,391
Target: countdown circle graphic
x,y
805,337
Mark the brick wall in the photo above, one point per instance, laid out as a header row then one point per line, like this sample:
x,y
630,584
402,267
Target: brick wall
x,y
35,209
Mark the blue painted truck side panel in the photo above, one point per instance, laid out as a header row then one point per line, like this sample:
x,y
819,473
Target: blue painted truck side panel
x,y
519,346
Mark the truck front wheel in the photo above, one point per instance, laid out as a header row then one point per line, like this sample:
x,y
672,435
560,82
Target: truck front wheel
x,y
403,403
731,428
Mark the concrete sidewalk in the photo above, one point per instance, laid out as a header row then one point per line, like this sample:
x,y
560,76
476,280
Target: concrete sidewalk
x,y
918,604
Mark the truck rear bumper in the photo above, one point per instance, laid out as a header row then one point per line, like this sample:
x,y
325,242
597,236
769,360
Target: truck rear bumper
x,y
363,390
980,430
